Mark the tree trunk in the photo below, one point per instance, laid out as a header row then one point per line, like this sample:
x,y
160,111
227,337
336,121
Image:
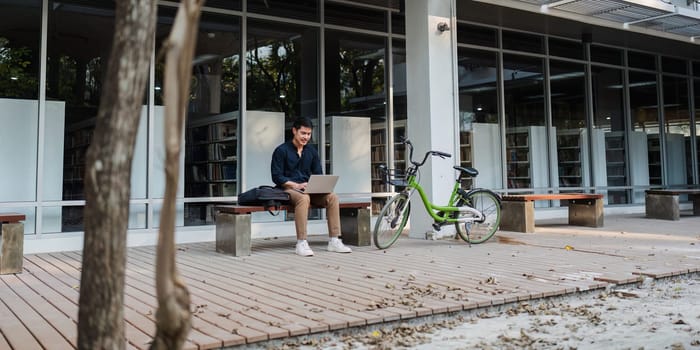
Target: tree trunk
x,y
107,177
174,317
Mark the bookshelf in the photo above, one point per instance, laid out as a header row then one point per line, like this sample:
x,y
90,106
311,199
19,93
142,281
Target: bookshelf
x,y
465,155
654,149
572,157
378,155
211,156
78,138
615,158
526,149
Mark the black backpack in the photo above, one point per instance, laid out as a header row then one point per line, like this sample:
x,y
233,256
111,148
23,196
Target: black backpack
x,y
266,196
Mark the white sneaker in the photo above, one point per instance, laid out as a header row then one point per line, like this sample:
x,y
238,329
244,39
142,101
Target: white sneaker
x,y
303,249
336,245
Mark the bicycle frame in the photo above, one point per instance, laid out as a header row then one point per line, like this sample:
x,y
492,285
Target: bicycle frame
x,y
447,210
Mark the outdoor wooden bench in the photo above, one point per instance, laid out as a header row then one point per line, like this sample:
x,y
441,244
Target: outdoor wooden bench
x,y
233,226
665,204
518,211
11,242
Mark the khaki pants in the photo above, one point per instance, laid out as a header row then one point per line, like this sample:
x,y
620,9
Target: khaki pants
x,y
301,203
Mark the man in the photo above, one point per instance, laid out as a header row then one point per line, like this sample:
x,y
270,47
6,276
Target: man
x,y
293,162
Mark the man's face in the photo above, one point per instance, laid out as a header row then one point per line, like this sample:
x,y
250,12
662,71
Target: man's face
x,y
301,135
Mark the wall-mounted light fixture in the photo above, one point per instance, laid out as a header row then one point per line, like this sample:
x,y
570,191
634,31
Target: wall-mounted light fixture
x,y
443,27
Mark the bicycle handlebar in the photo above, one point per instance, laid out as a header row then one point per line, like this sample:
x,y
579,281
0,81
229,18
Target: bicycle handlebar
x,y
407,142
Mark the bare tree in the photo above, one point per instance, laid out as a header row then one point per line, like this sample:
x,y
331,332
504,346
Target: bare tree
x,y
107,178
174,317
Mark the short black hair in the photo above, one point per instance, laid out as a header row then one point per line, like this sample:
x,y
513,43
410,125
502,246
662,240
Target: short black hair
x,y
302,121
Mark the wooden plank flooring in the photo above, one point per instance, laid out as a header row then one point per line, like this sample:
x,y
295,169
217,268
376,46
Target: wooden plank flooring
x,y
274,294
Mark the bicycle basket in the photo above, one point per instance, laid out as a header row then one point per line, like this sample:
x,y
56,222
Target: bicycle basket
x,y
395,177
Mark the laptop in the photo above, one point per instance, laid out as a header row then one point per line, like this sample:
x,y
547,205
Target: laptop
x,y
321,183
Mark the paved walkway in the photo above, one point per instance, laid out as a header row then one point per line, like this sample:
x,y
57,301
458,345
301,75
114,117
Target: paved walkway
x,y
274,294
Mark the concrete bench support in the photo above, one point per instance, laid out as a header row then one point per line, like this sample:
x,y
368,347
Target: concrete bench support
x,y
665,204
518,211
233,234
518,216
233,226
11,243
354,223
586,212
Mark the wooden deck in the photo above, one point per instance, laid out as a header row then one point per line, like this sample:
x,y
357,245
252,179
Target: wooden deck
x,y
274,294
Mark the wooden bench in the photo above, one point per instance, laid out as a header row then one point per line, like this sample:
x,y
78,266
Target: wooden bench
x,y
11,242
233,226
518,211
665,204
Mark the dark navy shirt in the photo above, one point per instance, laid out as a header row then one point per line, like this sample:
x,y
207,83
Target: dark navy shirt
x,y
287,165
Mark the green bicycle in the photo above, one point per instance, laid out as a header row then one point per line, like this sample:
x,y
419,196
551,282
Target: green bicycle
x,y
476,213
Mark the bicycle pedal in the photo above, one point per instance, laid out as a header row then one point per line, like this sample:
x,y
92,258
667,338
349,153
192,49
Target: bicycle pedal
x,y
437,226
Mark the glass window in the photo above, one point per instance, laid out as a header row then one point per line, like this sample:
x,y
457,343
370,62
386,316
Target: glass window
x,y
677,128
355,17
356,97
282,67
211,134
398,23
568,91
479,126
608,145
644,110
476,35
518,41
696,90
604,54
566,48
696,69
526,134
674,65
299,9
20,36
641,60
76,64
400,103
225,4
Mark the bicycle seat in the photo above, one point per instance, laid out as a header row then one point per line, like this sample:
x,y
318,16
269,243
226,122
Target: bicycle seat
x,y
467,171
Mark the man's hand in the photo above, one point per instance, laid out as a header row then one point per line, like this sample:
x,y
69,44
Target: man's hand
x,y
296,186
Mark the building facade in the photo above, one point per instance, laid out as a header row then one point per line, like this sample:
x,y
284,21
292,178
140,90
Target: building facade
x,y
546,97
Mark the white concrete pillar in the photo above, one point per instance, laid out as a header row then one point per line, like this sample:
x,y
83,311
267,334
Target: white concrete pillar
x,y
432,105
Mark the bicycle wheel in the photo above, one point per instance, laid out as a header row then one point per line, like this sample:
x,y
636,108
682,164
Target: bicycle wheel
x,y
479,232
391,221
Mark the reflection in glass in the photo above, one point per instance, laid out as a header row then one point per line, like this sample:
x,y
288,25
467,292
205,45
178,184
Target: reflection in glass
x,y
76,64
282,70
355,71
565,48
518,41
674,65
641,60
677,129
20,34
645,125
608,151
400,104
211,135
298,9
568,88
355,17
476,35
696,90
604,54
479,130
526,136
